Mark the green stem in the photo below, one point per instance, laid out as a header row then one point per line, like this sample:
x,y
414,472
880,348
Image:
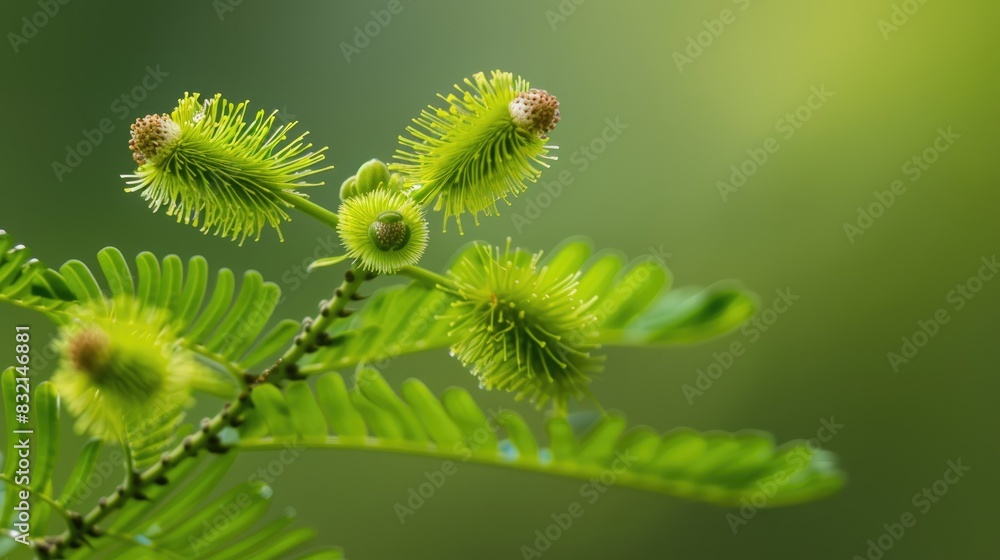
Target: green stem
x,y
310,339
187,449
226,364
431,279
192,445
305,206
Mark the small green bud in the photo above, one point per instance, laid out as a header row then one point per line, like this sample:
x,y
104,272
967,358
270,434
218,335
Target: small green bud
x,y
372,175
389,231
383,230
349,188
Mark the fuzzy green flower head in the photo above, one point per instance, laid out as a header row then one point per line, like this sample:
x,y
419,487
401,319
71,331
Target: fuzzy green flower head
x,y
383,230
119,366
205,165
520,327
484,146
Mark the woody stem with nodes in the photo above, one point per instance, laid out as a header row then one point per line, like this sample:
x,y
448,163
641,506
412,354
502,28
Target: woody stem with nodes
x,y
313,336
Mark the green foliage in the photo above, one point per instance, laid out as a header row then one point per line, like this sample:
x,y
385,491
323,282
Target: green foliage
x,y
139,334
24,281
634,307
181,521
715,467
227,327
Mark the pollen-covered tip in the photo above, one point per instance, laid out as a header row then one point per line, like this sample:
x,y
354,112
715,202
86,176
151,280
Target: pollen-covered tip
x,y
150,134
389,232
536,111
89,351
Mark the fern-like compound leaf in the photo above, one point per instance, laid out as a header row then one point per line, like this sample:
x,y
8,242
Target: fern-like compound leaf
x,y
224,326
715,467
25,281
185,526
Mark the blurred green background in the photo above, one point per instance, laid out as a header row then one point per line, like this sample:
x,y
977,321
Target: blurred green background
x,y
686,122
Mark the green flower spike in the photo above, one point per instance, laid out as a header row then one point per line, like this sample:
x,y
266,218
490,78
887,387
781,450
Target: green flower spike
x,y
121,366
486,145
521,328
208,167
383,229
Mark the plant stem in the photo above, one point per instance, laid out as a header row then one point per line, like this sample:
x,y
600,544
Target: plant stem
x,y
305,206
310,340
431,279
188,448
205,438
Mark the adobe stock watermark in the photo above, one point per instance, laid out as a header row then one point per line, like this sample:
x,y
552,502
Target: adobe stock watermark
x,y
639,271
753,330
102,472
562,12
365,33
769,487
958,297
913,169
122,107
293,278
223,7
230,511
581,158
418,496
786,127
590,492
32,24
901,14
698,43
922,502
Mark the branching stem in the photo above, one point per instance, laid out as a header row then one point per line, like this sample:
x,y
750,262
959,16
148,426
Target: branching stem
x,y
310,208
206,437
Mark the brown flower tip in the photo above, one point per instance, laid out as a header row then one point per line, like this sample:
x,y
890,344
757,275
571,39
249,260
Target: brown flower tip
x,y
150,134
89,351
536,111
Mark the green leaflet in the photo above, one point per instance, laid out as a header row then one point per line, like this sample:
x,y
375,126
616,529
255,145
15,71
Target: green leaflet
x,y
25,281
8,387
44,445
635,307
715,467
223,327
46,441
82,470
179,522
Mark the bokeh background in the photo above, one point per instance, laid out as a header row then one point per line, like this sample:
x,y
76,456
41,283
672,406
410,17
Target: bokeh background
x,y
686,122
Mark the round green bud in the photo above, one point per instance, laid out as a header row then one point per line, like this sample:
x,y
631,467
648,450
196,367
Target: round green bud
x,y
383,230
372,175
389,231
349,188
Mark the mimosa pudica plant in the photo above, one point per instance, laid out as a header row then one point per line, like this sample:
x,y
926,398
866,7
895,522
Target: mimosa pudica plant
x,y
141,342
